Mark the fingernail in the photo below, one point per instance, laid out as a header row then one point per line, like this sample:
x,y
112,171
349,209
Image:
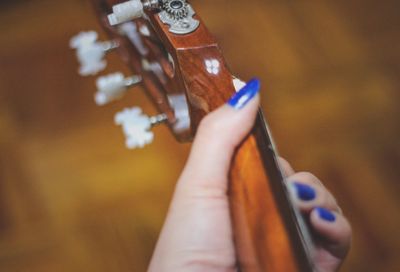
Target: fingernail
x,y
304,192
244,96
326,214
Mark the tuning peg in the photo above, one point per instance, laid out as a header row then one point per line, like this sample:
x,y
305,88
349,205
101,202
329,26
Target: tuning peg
x,y
137,126
130,10
113,86
90,52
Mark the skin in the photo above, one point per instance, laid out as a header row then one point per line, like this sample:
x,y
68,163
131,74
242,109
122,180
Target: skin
x,y
197,233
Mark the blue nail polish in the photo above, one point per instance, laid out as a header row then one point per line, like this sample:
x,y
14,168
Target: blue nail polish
x,y
305,192
248,92
326,214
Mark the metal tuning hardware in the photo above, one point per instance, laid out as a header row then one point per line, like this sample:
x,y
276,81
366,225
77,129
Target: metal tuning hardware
x,y
113,86
137,126
178,14
90,52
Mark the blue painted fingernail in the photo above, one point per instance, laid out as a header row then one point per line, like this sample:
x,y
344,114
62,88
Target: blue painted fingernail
x,y
305,192
248,92
326,214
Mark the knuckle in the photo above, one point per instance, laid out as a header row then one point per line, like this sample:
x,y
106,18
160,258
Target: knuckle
x,y
209,124
308,178
205,123
345,229
325,198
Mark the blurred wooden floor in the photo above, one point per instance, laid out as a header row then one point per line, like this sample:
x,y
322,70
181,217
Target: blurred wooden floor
x,y
73,199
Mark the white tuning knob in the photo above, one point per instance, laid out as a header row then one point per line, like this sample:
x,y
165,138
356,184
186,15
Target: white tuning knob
x,y
90,52
137,126
130,10
113,86
125,12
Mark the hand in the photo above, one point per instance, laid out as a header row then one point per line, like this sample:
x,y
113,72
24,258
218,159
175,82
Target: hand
x,y
197,234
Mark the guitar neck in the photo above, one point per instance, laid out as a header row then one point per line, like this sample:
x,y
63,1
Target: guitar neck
x,y
269,233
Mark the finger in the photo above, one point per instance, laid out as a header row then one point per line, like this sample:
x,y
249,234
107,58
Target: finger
x,y
334,230
308,192
218,135
286,168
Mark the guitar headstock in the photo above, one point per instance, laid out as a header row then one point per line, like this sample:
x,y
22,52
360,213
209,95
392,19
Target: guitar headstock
x,y
170,52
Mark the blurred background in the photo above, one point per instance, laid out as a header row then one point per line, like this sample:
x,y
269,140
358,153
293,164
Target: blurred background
x,y
72,198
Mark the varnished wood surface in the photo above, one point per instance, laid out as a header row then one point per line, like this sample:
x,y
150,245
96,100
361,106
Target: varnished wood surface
x,y
73,199
264,227
263,241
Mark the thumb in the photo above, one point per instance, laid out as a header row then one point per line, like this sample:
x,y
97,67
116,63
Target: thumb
x,y
218,135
